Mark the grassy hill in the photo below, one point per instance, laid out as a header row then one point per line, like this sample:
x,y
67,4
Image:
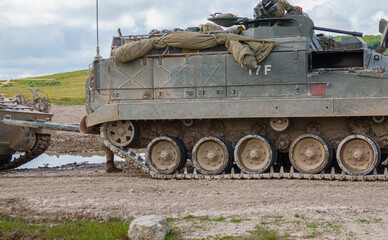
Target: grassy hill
x,y
62,88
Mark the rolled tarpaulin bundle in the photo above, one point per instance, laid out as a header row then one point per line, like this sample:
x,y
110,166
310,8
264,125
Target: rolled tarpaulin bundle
x,y
190,40
242,53
132,50
248,52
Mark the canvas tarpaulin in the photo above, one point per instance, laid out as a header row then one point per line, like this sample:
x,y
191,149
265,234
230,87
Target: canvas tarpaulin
x,y
248,52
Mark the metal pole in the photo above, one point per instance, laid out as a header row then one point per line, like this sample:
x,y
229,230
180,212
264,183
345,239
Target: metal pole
x,y
98,56
356,34
44,125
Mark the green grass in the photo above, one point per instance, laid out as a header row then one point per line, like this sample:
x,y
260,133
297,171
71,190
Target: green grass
x,y
369,220
82,230
263,233
62,89
239,220
204,218
258,233
174,234
272,217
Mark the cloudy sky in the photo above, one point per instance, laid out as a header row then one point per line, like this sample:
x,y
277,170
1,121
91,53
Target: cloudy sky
x,y
40,37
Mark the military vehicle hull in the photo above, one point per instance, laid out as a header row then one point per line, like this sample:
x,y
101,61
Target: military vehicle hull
x,y
29,142
25,129
324,108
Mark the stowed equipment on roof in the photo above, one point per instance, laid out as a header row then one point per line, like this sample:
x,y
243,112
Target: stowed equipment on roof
x,y
248,52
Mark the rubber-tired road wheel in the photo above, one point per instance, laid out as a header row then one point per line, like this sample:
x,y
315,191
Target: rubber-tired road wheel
x,y
358,154
212,155
166,155
255,154
310,153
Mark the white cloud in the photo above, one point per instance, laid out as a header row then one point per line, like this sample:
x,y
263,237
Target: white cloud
x,y
155,19
125,21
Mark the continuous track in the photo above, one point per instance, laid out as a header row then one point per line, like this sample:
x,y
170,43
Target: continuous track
x,y
41,145
274,173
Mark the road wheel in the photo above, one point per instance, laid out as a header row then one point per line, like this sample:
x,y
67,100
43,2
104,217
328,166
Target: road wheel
x,y
310,153
166,155
212,155
358,154
255,154
121,133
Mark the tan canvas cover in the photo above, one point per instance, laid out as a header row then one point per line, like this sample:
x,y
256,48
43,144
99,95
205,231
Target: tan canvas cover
x,y
248,52
242,53
208,27
226,15
132,50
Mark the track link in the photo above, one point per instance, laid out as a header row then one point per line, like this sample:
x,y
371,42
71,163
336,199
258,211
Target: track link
x,y
41,145
140,163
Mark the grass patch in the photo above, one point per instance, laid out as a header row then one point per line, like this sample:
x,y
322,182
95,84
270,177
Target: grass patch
x,y
204,218
174,234
369,220
300,216
269,219
82,229
6,85
238,220
361,220
62,89
314,234
262,233
40,83
312,225
171,219
68,101
272,217
227,238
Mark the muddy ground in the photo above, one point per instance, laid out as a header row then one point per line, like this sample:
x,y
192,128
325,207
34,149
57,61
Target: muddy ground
x,y
199,208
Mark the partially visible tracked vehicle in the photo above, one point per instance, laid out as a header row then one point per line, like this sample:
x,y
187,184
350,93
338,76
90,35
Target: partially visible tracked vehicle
x,y
25,129
326,107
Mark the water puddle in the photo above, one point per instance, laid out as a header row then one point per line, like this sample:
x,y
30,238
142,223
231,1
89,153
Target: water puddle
x,y
51,161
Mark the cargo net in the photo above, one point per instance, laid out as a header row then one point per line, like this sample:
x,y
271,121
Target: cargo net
x,y
248,52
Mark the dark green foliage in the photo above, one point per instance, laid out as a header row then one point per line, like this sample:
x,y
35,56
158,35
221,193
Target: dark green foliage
x,y
373,41
40,83
7,85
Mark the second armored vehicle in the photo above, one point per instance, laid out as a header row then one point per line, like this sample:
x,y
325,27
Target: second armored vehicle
x,y
24,129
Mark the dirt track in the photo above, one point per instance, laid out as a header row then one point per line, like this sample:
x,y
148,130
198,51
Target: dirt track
x,y
304,209
357,208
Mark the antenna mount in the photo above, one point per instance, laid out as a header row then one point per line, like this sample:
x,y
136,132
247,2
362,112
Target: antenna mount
x,y
98,56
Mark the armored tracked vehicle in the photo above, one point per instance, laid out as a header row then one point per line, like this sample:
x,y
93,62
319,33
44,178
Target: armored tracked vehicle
x,y
25,129
235,102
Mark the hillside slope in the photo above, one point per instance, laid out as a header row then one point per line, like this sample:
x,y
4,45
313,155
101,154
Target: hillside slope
x,y
62,89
